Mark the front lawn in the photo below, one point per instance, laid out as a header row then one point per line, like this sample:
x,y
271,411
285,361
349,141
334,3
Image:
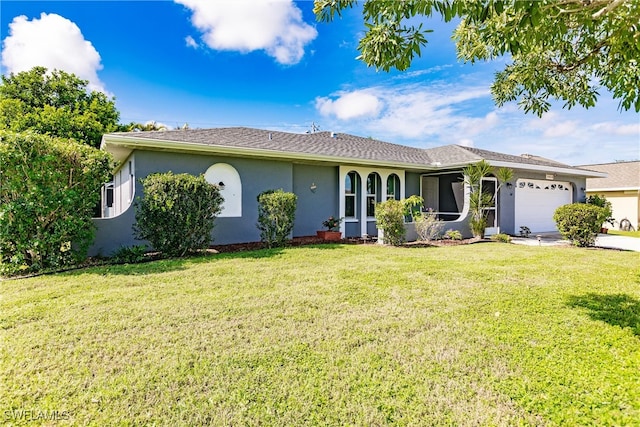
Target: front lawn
x,y
624,233
482,334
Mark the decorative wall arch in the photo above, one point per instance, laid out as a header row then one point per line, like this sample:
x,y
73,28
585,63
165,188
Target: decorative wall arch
x,y
228,178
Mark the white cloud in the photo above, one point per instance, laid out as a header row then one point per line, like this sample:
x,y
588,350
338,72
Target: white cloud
x,y
273,26
53,42
466,142
617,128
349,105
191,42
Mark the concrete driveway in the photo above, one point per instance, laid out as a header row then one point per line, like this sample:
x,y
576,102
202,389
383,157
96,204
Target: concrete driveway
x,y
618,242
602,241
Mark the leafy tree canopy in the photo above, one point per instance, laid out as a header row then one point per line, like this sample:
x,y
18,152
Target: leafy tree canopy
x,y
559,49
56,103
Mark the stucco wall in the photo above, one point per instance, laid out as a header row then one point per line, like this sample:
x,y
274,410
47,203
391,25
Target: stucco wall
x,y
314,206
624,204
256,176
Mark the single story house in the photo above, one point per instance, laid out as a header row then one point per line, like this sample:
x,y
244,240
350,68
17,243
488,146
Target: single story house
x,y
621,187
332,174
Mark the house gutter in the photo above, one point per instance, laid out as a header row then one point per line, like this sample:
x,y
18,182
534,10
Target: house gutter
x,y
557,169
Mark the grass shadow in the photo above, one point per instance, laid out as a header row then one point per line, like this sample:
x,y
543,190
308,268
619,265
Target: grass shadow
x,y
616,309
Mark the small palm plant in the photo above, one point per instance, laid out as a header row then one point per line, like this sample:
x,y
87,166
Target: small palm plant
x,y
480,199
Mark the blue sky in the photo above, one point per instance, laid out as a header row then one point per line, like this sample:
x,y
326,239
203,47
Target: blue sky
x,y
272,66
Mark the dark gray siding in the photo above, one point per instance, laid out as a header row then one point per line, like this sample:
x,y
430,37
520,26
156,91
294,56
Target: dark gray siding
x,y
256,175
411,184
314,207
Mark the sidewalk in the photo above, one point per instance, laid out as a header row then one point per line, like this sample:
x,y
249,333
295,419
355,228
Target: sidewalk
x,y
602,241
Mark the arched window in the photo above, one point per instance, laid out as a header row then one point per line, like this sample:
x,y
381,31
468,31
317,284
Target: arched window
x,y
373,193
393,187
228,179
351,191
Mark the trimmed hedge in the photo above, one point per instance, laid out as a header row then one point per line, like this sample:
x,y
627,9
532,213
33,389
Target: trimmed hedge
x,y
276,214
177,213
579,222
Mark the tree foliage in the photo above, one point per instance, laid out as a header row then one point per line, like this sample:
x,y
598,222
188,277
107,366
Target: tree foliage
x,y
48,190
276,214
57,104
558,49
177,213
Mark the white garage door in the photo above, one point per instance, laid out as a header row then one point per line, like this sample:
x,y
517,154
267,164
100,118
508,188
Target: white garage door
x,y
537,200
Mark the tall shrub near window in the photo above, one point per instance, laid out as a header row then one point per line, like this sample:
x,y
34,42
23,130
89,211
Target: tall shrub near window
x,y
177,213
390,219
48,190
276,214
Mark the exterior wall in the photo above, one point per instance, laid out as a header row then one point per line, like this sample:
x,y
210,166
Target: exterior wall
x,y
624,204
256,175
314,206
412,184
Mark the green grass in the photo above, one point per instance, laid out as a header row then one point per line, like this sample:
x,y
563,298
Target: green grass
x,y
483,334
624,233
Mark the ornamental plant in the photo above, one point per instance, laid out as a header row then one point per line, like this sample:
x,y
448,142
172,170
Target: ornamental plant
x,y
177,213
332,223
390,219
579,222
276,214
49,188
428,226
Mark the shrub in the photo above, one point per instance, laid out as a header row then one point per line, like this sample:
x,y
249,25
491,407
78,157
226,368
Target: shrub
x,y
276,214
129,254
49,188
501,237
453,235
177,212
390,219
525,231
428,226
579,222
602,201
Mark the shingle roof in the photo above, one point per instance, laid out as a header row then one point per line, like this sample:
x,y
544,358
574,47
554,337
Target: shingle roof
x,y
621,175
328,146
527,159
318,143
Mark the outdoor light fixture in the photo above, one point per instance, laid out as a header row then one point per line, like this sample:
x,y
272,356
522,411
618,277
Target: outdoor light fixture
x,y
509,185
313,187
221,185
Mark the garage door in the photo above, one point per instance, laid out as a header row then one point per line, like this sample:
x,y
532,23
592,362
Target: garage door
x,y
537,200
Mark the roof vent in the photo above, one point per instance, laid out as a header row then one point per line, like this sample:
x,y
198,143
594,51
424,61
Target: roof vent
x,y
270,136
334,135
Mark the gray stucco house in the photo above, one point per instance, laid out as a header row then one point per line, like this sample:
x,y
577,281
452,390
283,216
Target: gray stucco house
x,y
332,174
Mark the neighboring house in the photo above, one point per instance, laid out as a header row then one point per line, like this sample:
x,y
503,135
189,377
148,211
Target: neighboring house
x,y
621,187
332,174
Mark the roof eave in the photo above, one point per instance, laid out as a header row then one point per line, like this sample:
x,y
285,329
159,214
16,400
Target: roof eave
x,y
546,168
122,146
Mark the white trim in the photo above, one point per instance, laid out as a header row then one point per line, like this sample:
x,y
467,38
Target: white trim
x,y
361,217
